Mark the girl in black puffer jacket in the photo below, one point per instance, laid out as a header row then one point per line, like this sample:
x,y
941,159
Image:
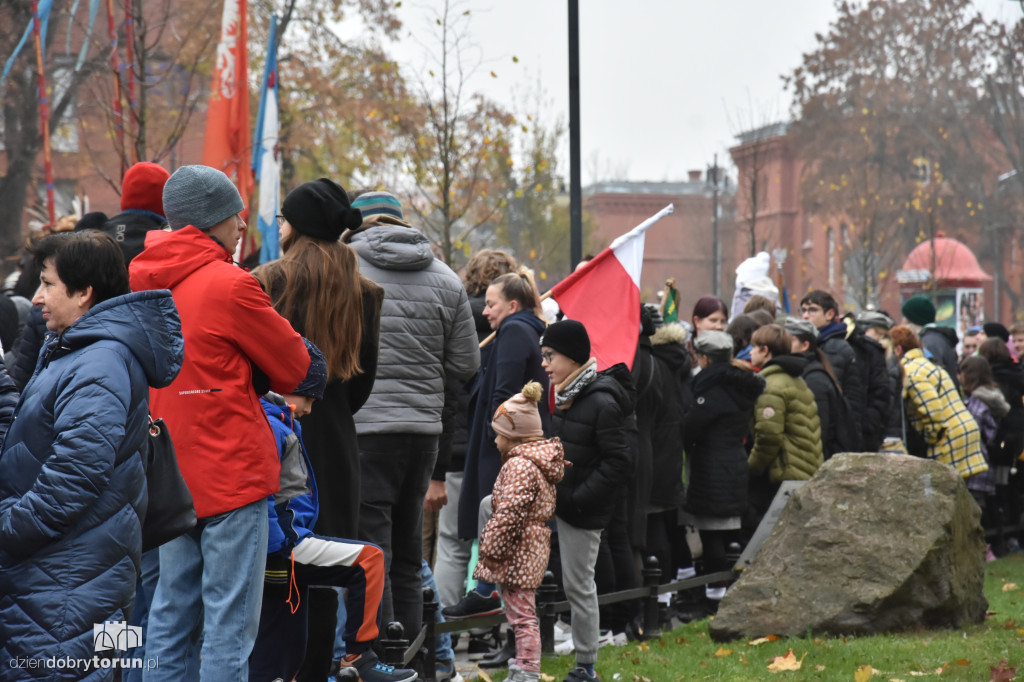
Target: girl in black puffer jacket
x,y
716,429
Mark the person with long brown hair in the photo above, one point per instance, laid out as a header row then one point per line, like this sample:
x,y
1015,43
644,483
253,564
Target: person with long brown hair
x,y
317,287
512,308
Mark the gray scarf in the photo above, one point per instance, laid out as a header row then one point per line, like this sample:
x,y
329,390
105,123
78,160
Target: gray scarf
x,y
582,380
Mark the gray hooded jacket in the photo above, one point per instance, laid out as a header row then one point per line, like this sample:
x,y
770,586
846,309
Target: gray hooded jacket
x,y
426,331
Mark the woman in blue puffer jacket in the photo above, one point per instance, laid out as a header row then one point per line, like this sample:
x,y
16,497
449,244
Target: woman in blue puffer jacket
x,y
72,487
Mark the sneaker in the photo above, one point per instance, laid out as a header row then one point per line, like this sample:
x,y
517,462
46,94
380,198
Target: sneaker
x,y
444,671
473,604
605,638
566,647
517,674
580,674
563,631
715,593
370,669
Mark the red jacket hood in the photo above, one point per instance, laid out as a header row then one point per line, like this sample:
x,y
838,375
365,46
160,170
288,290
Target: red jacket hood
x,y
170,257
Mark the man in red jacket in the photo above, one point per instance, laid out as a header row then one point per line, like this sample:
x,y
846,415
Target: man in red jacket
x,y
213,576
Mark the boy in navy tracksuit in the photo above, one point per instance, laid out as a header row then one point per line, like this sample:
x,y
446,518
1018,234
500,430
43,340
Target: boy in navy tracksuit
x,y
297,558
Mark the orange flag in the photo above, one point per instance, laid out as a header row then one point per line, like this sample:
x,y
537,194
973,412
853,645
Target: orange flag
x,y
227,143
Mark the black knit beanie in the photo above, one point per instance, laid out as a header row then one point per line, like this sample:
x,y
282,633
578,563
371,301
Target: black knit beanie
x,y
996,330
320,209
569,338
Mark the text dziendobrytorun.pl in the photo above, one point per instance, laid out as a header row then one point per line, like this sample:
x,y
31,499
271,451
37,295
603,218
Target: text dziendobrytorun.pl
x,y
94,663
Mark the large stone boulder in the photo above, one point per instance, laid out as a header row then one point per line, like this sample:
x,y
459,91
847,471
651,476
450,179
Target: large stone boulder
x,y
873,543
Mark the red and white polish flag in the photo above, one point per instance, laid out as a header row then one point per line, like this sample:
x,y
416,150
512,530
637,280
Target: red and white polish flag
x,y
605,296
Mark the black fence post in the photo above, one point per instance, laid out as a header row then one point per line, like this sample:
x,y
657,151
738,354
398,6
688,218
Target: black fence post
x,y
430,607
394,644
546,595
652,578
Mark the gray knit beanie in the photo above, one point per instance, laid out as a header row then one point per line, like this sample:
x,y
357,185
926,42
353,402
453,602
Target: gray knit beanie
x,y
200,196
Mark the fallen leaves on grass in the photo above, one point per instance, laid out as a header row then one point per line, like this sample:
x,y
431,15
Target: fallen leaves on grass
x,y
544,677
786,663
723,652
1010,587
763,640
1003,672
483,676
863,673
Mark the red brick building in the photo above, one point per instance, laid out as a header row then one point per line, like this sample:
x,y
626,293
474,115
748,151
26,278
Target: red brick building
x,y
818,251
679,245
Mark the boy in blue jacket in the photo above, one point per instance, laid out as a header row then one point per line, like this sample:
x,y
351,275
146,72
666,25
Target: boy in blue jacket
x,y
297,558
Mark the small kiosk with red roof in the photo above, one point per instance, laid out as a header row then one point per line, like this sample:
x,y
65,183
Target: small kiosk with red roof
x,y
950,268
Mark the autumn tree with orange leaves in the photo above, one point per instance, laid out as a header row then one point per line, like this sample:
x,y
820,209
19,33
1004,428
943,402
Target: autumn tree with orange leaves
x,y
889,118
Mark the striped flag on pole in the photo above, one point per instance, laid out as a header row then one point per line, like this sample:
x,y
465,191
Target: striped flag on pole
x,y
264,154
605,296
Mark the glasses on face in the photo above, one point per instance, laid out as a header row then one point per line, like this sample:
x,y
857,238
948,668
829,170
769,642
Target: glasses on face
x,y
547,355
280,220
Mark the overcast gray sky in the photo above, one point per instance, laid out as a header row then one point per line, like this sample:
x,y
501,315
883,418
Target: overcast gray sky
x,y
665,84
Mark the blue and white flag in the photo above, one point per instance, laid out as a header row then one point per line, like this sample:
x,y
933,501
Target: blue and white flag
x,y
44,19
264,154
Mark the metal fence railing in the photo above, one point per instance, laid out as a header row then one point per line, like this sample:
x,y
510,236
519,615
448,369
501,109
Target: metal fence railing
x,y
398,651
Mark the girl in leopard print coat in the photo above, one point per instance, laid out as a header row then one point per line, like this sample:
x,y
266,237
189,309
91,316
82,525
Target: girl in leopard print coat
x,y
516,542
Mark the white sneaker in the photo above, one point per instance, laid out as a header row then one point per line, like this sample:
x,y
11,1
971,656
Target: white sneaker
x,y
566,647
606,639
715,593
620,639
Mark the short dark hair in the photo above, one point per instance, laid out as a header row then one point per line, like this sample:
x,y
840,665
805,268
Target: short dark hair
x,y
85,259
741,329
994,349
823,299
777,339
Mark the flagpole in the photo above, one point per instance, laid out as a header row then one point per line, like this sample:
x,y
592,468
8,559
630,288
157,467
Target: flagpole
x,y
129,48
44,114
116,67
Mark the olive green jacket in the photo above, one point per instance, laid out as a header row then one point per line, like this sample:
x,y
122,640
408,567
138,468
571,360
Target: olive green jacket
x,y
787,433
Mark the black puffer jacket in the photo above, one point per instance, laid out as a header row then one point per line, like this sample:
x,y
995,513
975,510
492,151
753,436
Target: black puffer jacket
x,y
1010,436
716,429
673,376
843,361
825,391
598,432
875,382
21,361
939,344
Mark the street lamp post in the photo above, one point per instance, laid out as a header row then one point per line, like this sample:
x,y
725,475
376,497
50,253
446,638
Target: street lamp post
x,y
716,245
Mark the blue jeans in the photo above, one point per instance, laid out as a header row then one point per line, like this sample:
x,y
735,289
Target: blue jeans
x,y
443,651
140,616
214,576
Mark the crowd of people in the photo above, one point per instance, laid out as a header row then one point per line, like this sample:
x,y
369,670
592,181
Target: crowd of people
x,y
354,418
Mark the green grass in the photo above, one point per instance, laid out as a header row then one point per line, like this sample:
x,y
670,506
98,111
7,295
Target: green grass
x,y
963,654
